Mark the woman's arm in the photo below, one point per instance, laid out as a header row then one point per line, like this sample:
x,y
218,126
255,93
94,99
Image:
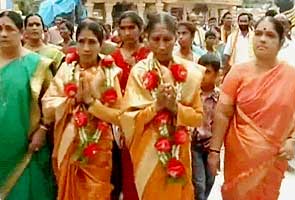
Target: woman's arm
x,y
222,118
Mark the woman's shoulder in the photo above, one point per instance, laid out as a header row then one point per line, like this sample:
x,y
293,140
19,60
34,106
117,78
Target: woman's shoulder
x,y
242,68
141,65
33,56
191,66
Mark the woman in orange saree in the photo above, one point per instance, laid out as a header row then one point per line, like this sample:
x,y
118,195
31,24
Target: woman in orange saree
x,y
82,101
255,118
161,103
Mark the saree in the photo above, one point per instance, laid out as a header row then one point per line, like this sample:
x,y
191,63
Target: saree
x,y
262,121
141,134
139,55
51,52
234,41
23,175
77,180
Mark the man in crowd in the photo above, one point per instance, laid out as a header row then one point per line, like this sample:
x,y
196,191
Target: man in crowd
x,y
238,48
54,35
200,33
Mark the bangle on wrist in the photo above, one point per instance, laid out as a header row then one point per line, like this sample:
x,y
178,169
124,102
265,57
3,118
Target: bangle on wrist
x,y
43,127
214,150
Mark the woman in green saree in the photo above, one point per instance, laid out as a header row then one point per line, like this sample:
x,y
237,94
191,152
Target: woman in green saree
x,y
25,167
34,28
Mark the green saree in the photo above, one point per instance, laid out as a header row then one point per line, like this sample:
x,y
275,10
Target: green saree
x,y
35,180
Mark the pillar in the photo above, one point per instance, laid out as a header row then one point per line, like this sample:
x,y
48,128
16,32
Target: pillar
x,y
89,7
3,5
159,6
108,11
141,9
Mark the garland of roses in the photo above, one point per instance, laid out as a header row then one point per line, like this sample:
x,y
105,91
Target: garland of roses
x,y
88,143
168,145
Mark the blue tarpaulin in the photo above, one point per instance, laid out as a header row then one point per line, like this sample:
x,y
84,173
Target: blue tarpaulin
x,y
49,9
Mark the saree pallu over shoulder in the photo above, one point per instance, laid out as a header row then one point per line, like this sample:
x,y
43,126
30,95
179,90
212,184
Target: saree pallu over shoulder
x,y
53,53
262,121
77,180
39,83
141,134
38,73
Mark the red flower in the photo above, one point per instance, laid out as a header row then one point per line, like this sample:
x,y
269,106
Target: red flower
x,y
70,89
71,50
71,57
107,61
179,72
162,117
163,145
175,168
150,80
81,119
91,150
102,126
109,96
180,136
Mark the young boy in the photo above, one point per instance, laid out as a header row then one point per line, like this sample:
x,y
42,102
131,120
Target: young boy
x,y
202,179
212,44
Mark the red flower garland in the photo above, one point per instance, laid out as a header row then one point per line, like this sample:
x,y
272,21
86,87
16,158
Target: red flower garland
x,y
175,168
179,72
109,96
71,57
107,61
162,117
70,89
81,119
91,150
180,136
151,80
163,145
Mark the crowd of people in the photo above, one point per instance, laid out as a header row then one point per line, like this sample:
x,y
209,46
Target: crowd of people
x,y
141,112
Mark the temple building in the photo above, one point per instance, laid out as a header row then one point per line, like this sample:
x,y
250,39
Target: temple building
x,y
103,9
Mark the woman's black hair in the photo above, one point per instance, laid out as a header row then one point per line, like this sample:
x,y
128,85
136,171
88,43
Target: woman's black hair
x,y
223,17
32,15
15,17
210,59
189,26
134,17
279,28
92,26
69,26
162,18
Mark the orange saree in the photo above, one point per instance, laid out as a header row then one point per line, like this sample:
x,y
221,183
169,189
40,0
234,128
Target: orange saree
x,y
78,180
262,121
141,134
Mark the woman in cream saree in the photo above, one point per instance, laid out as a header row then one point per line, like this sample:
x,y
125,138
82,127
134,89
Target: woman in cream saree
x,y
82,101
255,116
157,115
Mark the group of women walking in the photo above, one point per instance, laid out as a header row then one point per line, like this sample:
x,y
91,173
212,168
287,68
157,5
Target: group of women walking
x,y
151,99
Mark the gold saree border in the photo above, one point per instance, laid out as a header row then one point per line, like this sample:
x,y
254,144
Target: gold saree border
x,y
40,78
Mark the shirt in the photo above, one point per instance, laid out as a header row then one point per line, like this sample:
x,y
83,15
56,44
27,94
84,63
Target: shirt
x,y
241,47
209,101
287,51
54,36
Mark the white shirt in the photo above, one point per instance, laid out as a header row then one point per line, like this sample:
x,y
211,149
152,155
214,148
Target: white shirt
x,y
199,38
242,47
287,52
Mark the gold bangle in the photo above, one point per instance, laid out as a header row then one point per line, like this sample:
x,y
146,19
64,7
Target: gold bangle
x,y
43,127
214,150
